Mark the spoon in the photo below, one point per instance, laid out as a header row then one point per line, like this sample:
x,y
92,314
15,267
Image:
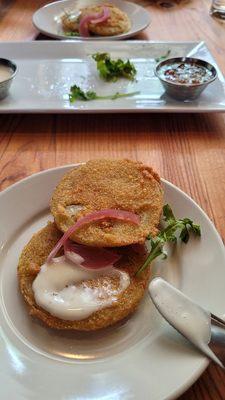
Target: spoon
x,y
204,330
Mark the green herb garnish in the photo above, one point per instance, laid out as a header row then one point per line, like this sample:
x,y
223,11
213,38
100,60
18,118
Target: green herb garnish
x,y
71,33
111,70
76,93
163,57
182,226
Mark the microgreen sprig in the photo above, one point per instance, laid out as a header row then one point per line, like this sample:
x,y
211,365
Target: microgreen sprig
x,y
76,93
183,226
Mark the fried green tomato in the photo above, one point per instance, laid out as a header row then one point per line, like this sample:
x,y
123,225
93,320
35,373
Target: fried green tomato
x,y
117,23
109,184
34,255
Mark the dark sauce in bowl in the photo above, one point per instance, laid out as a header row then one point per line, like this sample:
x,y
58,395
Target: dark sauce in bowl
x,y
185,73
184,78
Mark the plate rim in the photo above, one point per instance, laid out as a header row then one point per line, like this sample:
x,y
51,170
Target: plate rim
x,y
123,36
204,362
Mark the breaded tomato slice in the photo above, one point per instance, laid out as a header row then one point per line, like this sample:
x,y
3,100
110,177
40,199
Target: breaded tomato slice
x,y
34,255
117,23
109,184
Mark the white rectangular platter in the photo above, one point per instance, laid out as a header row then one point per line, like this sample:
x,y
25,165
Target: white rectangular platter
x,y
47,70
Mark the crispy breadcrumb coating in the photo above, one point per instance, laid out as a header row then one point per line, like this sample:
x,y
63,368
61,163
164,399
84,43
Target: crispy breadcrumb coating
x,y
115,184
34,255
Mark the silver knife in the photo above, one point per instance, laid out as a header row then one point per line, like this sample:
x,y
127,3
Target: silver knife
x,y
203,329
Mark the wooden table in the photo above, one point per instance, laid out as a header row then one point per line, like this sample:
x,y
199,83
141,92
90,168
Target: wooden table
x,y
188,150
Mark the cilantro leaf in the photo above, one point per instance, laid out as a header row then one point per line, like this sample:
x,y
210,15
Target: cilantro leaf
x,y
111,70
76,93
183,226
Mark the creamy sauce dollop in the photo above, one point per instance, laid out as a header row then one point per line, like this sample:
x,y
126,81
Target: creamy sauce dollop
x,y
61,289
187,317
5,73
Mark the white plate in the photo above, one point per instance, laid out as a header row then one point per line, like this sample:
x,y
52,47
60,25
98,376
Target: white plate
x,y
48,18
47,70
142,359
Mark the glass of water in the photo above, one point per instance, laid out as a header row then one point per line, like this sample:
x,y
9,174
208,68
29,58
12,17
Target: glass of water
x,y
218,9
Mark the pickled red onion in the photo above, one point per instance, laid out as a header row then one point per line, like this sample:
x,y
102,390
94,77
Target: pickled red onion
x,y
94,19
105,15
89,257
126,216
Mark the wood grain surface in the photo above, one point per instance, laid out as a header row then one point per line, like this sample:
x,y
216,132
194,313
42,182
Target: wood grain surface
x,y
188,150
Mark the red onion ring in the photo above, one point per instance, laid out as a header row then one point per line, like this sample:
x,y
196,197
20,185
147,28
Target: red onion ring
x,y
94,18
89,257
92,217
103,18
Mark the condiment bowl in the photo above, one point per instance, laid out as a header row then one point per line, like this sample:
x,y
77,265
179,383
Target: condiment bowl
x,y
184,91
5,84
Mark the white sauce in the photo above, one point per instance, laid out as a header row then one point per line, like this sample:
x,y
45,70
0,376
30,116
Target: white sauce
x,y
60,289
5,73
187,317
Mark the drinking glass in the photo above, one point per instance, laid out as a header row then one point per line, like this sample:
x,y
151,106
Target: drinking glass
x,y
218,9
